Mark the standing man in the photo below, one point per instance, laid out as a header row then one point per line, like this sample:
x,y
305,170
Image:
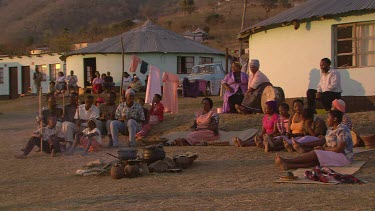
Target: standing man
x,y
72,82
329,87
131,119
37,77
235,85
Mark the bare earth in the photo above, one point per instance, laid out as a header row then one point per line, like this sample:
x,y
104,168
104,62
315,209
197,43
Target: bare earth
x,y
221,178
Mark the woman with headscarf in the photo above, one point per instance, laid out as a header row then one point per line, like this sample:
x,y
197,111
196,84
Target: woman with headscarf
x,y
235,85
205,127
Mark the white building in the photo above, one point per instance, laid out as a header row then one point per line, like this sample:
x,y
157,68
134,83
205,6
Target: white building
x,y
155,45
16,73
291,44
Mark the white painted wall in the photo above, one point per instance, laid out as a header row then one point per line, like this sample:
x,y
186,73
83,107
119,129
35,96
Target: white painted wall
x,y
288,57
32,61
112,62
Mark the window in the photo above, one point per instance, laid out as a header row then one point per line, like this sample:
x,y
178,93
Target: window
x,y
1,75
184,64
355,45
54,69
205,60
43,70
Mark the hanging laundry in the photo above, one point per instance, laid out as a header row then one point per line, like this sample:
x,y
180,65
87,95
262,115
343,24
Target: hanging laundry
x,y
170,96
144,67
153,84
134,63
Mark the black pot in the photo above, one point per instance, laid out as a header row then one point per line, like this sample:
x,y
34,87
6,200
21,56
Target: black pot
x,y
127,154
153,153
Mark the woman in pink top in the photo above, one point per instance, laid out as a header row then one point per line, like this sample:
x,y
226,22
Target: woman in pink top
x,y
97,84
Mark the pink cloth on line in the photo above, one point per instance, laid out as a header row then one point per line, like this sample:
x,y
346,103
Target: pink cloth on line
x,y
170,96
153,84
134,63
328,158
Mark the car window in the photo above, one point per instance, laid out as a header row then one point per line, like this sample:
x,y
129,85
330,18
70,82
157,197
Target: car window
x,y
208,69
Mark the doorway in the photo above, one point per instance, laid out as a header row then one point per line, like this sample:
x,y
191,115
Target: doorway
x,y
13,82
89,67
25,74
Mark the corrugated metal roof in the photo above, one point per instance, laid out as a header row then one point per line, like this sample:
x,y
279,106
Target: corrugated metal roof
x,y
148,38
316,8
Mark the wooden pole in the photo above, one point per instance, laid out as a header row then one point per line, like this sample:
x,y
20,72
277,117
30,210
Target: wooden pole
x,y
63,104
226,61
41,119
123,66
242,25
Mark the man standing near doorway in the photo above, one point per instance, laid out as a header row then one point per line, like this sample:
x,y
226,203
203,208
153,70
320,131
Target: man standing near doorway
x,y
37,77
72,82
329,87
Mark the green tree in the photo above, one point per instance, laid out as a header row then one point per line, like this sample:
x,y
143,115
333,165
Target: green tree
x,y
215,19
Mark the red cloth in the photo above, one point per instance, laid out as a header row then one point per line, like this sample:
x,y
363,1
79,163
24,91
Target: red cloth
x,y
157,109
97,88
327,175
134,63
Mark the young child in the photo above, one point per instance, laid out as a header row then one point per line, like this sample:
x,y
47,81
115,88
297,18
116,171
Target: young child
x,y
157,110
146,127
268,126
282,130
89,139
52,88
51,136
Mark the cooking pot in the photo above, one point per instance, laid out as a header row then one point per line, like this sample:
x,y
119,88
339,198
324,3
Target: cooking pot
x,y
117,171
153,153
127,154
131,171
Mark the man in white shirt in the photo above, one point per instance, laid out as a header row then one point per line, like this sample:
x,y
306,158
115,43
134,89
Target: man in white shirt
x,y
83,113
72,82
257,82
329,87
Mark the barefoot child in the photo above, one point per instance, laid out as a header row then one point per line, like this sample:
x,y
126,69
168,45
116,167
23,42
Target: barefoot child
x,y
146,127
268,126
89,139
337,151
51,136
283,130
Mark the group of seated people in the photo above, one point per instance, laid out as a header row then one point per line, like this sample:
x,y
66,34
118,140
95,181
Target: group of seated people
x,y
132,82
102,83
63,83
63,129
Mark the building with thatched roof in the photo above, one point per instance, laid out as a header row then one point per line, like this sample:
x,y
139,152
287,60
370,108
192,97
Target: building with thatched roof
x,y
291,44
157,46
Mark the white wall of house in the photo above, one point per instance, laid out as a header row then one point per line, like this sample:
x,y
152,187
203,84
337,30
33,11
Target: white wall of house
x,y
167,62
290,58
31,61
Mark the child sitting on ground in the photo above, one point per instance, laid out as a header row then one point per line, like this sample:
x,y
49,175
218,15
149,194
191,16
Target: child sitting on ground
x,y
283,130
89,139
268,126
157,110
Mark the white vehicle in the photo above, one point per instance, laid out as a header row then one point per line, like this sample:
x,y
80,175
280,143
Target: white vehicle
x,y
212,73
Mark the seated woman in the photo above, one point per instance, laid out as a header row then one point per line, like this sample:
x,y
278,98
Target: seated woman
x,y
136,85
314,128
205,127
337,151
339,104
157,110
60,82
97,84
268,129
296,124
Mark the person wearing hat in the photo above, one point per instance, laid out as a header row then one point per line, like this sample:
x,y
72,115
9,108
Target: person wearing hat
x,y
329,87
130,120
256,84
339,104
235,85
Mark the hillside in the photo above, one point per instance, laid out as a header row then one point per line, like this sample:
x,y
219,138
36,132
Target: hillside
x,y
32,23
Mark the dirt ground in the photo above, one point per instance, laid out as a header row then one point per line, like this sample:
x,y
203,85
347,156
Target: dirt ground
x,y
221,178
